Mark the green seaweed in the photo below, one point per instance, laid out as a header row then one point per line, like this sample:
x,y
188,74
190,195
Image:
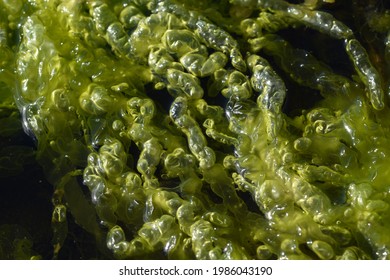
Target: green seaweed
x,y
165,128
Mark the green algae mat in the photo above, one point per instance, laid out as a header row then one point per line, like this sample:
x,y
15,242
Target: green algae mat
x,y
182,129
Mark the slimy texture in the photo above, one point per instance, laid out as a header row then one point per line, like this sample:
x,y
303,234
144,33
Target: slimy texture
x,y
171,131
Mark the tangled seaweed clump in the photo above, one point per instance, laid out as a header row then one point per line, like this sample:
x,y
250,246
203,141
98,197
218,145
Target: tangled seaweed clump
x,y
180,129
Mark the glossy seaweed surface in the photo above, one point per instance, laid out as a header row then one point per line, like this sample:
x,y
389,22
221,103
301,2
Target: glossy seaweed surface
x,y
181,129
